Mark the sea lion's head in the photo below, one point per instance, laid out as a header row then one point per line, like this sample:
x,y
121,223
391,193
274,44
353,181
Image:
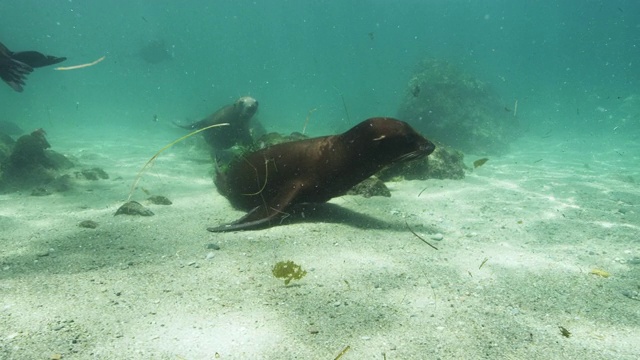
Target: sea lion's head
x,y
246,107
392,140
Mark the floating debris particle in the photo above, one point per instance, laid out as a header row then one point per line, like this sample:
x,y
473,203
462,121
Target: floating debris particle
x,y
479,162
564,332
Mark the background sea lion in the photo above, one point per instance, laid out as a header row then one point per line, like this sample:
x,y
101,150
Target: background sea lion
x,y
155,52
237,115
15,66
267,182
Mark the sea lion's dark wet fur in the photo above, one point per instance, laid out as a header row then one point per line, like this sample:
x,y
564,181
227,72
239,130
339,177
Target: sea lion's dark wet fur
x,y
237,115
267,182
15,66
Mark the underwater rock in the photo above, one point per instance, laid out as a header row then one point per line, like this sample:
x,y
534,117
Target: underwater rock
x,y
40,191
58,161
159,200
6,144
133,208
61,183
92,174
28,163
29,151
443,163
89,224
457,109
370,187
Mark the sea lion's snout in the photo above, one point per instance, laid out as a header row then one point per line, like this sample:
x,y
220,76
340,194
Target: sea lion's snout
x,y
427,147
248,106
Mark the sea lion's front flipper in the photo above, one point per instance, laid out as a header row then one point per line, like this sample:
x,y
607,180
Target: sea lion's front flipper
x,y
261,216
36,59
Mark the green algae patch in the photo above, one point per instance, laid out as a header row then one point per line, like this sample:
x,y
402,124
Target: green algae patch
x,y
288,270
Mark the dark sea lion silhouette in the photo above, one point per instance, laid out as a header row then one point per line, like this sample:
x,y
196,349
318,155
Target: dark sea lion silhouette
x,y
15,66
10,128
268,182
237,115
155,52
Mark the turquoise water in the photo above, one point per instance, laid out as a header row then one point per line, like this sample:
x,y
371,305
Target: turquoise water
x,y
518,239
565,61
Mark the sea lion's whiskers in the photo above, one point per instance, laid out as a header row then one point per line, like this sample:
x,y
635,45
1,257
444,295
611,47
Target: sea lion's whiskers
x,y
344,104
409,156
304,128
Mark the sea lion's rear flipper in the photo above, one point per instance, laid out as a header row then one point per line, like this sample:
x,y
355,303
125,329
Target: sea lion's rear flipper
x,y
14,67
261,216
12,70
193,126
36,59
15,73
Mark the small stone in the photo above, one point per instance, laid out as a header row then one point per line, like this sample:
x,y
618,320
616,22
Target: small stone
x,y
159,200
40,191
365,337
437,237
213,246
92,174
89,224
313,331
133,208
43,253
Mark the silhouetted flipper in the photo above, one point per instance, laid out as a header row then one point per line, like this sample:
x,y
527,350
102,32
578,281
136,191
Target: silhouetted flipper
x,y
14,67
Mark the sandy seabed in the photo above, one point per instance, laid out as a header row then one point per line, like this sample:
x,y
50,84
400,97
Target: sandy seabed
x,y
521,237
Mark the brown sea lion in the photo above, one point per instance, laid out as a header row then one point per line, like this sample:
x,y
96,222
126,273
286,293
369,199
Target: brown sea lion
x,y
237,115
269,181
15,66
